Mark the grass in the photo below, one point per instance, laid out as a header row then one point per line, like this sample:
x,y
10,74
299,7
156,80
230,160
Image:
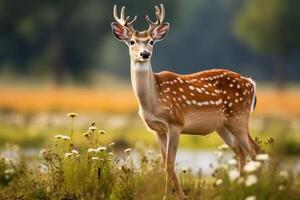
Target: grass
x,y
93,169
29,131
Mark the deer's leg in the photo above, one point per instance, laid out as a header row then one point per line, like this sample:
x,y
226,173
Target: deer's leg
x,y
172,144
230,140
241,133
162,139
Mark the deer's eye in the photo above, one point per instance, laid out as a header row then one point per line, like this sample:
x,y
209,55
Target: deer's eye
x,y
131,42
152,42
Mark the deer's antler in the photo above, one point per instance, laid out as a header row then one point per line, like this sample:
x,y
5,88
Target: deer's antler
x,y
160,15
122,20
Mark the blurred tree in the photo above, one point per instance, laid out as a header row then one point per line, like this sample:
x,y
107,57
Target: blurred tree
x,y
60,38
271,26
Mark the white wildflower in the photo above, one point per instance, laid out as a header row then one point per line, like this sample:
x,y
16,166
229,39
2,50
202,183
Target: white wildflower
x,y
281,187
9,171
101,149
75,152
72,114
219,182
223,147
65,137
234,174
251,198
252,166
111,153
94,158
250,180
232,162
262,157
284,174
68,155
58,136
91,150
93,128
111,144
127,150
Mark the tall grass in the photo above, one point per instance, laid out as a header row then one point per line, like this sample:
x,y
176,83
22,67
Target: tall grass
x,y
95,170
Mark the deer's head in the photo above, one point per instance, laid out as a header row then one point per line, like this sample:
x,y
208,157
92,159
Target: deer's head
x,y
140,43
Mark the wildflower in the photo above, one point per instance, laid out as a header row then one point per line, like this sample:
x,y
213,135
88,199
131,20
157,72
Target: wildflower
x,y
9,171
111,144
111,153
232,162
91,150
234,174
262,157
281,187
72,114
127,150
68,155
58,136
250,180
252,166
75,152
283,174
102,132
223,147
65,137
219,182
94,158
101,149
93,128
251,198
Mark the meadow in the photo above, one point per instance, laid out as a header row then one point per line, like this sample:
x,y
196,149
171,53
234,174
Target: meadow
x,y
107,153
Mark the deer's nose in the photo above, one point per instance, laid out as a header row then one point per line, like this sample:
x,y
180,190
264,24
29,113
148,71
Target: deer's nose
x,y
145,54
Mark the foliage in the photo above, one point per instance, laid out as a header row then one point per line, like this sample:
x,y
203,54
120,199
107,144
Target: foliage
x,y
271,26
59,38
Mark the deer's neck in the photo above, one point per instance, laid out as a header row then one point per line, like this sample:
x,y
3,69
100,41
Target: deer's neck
x,y
144,85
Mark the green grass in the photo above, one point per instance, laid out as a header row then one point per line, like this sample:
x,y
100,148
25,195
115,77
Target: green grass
x,y
91,169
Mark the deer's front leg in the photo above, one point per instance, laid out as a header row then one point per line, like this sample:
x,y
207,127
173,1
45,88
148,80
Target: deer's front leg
x,y
172,144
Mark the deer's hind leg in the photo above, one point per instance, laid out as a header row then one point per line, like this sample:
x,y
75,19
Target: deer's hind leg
x,y
238,126
230,140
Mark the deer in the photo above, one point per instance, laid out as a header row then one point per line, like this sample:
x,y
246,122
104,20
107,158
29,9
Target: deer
x,y
171,104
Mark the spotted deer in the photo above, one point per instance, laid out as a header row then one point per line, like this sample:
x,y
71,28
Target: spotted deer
x,y
171,104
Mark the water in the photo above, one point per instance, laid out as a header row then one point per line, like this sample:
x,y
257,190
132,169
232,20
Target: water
x,y
204,160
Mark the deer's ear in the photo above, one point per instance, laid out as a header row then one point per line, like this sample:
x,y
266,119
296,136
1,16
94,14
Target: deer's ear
x,y
160,31
120,32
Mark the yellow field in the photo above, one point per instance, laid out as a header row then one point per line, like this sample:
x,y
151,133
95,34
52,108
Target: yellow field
x,y
30,99
66,99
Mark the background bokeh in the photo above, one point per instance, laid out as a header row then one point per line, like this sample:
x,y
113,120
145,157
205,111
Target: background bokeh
x,y
59,56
